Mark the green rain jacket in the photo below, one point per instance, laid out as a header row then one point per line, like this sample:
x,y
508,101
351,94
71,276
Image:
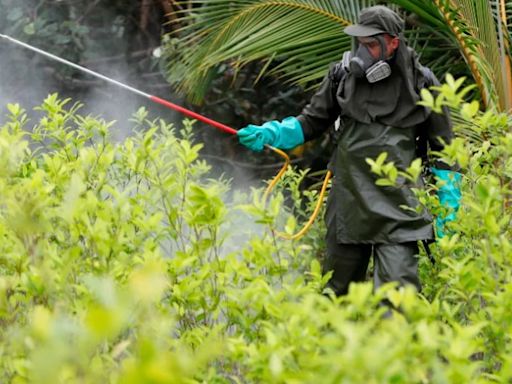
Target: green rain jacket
x,y
376,118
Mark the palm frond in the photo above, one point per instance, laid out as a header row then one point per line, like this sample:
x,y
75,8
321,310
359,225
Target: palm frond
x,y
436,50
300,36
474,25
455,24
427,11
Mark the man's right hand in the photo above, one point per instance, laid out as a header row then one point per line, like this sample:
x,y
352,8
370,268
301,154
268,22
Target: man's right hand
x,y
255,137
283,135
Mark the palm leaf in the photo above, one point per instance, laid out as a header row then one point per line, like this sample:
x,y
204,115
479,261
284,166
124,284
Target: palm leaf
x,y
297,39
301,37
474,26
437,50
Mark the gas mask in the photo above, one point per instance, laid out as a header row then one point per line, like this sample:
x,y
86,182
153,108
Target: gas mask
x,y
363,64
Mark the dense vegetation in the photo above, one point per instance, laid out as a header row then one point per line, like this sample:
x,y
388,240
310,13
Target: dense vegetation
x,y
124,262
135,262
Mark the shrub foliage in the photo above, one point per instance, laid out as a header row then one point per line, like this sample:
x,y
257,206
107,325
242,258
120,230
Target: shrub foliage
x,y
123,262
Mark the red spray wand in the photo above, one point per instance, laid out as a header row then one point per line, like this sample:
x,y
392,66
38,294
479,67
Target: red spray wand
x,y
155,99
193,115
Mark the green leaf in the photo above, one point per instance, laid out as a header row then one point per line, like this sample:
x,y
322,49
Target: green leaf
x,y
469,110
29,29
414,170
427,99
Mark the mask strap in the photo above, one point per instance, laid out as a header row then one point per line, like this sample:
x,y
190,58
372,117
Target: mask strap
x,y
355,45
383,47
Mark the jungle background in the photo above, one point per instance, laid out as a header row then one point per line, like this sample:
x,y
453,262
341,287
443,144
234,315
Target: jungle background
x,y
134,251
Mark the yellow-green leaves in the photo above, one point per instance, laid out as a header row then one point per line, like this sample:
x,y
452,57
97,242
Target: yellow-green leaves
x,y
390,174
70,203
13,150
28,205
448,94
121,262
469,110
376,166
205,207
388,170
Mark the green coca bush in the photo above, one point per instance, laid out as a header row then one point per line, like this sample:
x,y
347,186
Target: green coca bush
x,y
124,262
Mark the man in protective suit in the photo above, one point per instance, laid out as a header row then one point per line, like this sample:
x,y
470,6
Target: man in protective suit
x,y
374,91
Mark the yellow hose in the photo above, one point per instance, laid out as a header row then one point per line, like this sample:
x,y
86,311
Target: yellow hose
x,y
278,177
318,206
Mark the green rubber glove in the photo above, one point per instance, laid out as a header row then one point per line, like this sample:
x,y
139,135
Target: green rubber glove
x,y
286,134
449,196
